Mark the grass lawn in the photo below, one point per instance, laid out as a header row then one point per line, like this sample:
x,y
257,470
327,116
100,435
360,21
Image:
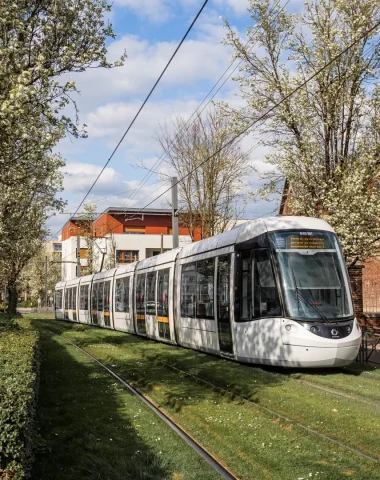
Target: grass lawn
x,y
92,428
252,442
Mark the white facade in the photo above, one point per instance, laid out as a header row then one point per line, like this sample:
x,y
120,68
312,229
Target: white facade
x,y
145,245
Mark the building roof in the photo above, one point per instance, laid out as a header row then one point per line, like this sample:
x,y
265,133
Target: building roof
x,y
151,211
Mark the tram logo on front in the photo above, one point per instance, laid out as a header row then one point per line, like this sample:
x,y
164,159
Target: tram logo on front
x,y
334,332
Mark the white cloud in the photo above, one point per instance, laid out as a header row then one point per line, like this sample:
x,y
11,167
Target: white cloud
x,y
112,119
197,60
80,176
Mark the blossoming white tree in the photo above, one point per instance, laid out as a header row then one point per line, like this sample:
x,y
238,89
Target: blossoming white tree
x,y
211,179
39,42
324,139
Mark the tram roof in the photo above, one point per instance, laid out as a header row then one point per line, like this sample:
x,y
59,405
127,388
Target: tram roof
x,y
161,259
252,229
105,274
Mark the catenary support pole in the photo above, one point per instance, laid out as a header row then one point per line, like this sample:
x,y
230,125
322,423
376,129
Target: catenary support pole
x,y
78,256
175,212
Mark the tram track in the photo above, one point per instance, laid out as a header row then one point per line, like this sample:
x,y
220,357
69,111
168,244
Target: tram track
x,y
272,412
233,394
218,466
333,391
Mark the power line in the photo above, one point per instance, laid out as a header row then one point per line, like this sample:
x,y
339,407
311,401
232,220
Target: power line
x,y
145,101
143,105
262,117
166,151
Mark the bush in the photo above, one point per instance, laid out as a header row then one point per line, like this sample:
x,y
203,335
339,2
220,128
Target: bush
x,y
18,393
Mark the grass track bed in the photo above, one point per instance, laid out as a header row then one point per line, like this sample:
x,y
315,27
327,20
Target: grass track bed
x,y
92,428
360,380
251,442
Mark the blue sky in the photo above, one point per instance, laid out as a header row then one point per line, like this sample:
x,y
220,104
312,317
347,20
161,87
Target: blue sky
x,y
149,31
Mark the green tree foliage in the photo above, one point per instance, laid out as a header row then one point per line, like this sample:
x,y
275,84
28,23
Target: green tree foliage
x,y
324,139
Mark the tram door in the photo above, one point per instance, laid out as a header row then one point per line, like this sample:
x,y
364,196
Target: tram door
x,y
223,304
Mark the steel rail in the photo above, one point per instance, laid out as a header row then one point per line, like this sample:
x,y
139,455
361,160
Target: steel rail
x,y
273,412
210,459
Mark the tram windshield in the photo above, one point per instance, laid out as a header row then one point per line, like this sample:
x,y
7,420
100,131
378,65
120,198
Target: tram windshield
x,y
313,275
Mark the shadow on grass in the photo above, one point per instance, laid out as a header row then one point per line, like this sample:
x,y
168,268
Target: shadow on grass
x,y
238,379
82,434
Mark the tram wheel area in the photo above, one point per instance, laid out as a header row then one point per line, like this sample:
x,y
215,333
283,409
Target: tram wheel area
x,y
252,442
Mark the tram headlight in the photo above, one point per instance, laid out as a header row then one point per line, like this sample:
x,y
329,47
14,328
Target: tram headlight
x,y
314,329
348,328
288,328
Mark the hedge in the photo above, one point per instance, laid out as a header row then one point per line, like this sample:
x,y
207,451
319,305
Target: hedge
x,y
18,394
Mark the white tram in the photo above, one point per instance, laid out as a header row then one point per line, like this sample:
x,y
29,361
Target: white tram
x,y
273,291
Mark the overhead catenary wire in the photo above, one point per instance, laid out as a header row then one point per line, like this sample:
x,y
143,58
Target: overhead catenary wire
x,y
142,105
264,115
165,153
161,158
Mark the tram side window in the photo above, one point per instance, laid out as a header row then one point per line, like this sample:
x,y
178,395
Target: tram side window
x,y
69,298
163,293
100,296
205,288
74,298
188,290
66,299
83,294
122,295
107,291
258,296
265,296
58,299
94,297
140,294
151,293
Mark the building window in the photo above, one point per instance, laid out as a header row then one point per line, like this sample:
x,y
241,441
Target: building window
x,y
127,256
134,230
57,247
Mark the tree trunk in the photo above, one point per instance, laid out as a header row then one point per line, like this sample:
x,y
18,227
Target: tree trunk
x,y
12,297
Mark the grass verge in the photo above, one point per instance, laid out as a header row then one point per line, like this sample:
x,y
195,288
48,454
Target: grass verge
x,y
18,390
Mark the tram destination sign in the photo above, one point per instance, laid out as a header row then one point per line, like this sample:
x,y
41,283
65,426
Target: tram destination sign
x,y
305,242
301,241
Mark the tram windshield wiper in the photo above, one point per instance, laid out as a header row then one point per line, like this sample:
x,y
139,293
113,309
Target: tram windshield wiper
x,y
299,295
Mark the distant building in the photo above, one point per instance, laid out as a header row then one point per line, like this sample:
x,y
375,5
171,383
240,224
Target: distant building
x,y
134,235
128,234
